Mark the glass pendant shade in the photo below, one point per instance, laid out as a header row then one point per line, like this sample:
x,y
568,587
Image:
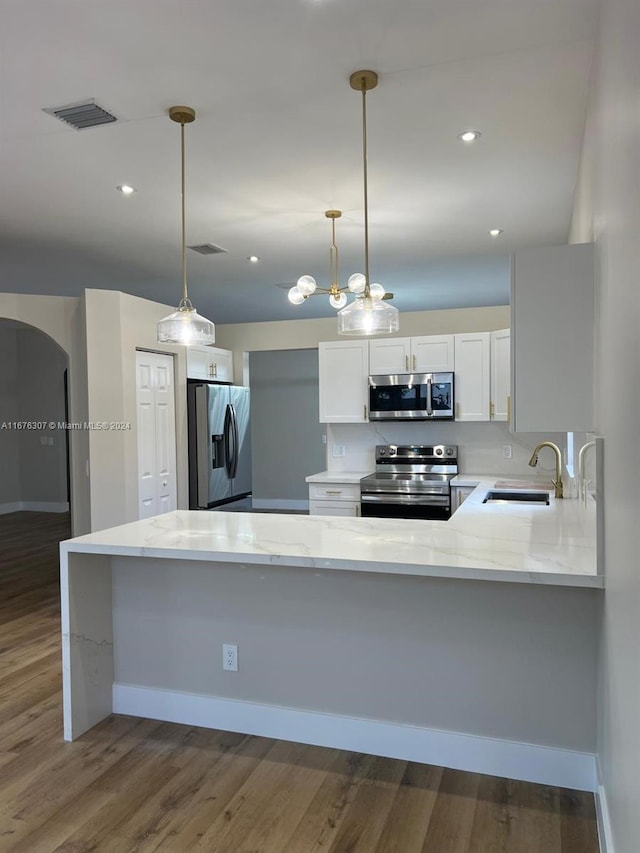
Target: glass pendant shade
x,y
295,295
185,326
356,282
338,300
306,284
368,316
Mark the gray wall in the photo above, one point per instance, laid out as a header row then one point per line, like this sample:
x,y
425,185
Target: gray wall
x,y
43,467
9,439
286,438
608,207
31,390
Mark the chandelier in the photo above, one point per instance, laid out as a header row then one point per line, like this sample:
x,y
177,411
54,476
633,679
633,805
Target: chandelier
x,y
306,285
368,314
185,325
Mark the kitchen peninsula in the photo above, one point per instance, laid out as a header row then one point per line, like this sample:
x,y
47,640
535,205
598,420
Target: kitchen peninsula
x,y
469,643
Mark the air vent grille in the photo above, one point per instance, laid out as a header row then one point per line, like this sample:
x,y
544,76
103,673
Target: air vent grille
x,y
83,115
208,249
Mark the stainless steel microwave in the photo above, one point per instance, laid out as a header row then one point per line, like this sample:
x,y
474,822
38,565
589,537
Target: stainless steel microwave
x,y
411,397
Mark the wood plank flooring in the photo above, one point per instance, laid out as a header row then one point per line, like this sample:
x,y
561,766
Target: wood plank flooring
x,y
139,785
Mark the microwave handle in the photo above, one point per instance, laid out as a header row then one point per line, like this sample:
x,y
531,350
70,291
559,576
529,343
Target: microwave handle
x,y
429,399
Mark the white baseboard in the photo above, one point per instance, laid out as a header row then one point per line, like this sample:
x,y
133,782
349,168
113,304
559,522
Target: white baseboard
x,y
34,506
604,822
276,503
510,759
5,509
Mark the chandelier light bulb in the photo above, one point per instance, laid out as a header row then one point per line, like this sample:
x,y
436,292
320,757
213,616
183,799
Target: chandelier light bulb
x,y
296,296
306,284
338,301
376,291
356,282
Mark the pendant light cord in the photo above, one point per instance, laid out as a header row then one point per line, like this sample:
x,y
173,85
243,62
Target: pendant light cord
x,y
367,291
185,297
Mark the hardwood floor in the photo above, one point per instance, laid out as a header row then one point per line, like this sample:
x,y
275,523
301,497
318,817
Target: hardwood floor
x,y
138,785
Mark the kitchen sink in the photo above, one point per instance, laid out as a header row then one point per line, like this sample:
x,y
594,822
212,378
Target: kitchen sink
x,y
519,497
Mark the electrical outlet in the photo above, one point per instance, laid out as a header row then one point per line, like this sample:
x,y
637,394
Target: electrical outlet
x,y
339,450
507,451
230,657
324,438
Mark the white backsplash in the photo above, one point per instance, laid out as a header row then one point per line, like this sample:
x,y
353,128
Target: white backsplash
x,y
480,446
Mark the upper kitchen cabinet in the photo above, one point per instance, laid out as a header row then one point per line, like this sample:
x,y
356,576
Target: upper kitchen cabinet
x,y
426,354
343,367
472,376
552,327
210,363
501,375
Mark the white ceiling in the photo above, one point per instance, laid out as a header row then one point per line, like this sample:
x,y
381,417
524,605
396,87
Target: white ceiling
x,y
277,141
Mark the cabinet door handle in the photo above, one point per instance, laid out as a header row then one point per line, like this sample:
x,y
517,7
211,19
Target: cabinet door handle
x,y
492,410
414,362
406,362
365,411
357,510
333,492
509,410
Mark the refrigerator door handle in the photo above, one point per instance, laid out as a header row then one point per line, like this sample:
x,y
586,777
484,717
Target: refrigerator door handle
x,y
236,443
228,445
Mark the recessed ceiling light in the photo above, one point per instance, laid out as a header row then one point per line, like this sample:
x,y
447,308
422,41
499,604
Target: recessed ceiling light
x,y
253,258
469,135
125,189
495,232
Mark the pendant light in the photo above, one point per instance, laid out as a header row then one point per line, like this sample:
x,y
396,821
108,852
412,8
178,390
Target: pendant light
x,y
368,314
185,325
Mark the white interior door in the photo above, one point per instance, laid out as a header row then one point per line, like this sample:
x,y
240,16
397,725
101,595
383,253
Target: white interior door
x,y
156,424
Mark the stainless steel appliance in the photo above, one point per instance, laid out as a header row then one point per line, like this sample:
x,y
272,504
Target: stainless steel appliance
x,y
219,446
410,481
411,396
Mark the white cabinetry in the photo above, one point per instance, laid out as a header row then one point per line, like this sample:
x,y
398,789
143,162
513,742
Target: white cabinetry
x,y
459,494
426,354
472,376
334,498
501,375
343,367
552,328
210,363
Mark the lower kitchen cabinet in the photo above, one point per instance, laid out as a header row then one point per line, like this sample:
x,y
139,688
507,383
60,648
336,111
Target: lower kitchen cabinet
x,y
334,499
459,494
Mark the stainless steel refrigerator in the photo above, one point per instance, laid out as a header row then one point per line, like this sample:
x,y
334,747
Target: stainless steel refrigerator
x,y
219,446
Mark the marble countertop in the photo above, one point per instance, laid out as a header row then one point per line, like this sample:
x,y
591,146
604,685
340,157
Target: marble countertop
x,y
337,476
552,544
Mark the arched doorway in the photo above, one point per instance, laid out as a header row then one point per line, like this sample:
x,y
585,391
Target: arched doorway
x,y
34,441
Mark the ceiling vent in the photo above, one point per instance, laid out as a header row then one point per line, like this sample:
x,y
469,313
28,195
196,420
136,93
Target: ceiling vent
x,y
82,115
208,249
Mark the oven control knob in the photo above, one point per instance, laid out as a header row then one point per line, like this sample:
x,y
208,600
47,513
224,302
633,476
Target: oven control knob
x,y
449,451
383,452
438,451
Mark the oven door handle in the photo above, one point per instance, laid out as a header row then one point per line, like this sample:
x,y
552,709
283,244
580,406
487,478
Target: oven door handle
x,y
412,500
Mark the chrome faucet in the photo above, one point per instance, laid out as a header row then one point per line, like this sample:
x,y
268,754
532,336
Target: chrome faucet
x,y
534,461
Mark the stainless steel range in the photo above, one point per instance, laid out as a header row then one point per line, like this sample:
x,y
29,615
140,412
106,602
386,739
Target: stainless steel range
x,y
410,481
